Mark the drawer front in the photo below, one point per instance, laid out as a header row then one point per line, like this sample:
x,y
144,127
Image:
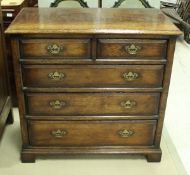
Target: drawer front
x,y
92,103
91,133
131,48
93,76
58,48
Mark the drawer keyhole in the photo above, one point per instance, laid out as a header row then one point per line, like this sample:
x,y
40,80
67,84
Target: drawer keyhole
x,y
54,49
57,104
130,76
132,49
56,76
59,133
126,133
128,104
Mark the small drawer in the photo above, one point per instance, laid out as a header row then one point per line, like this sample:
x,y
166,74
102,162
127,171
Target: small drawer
x,y
132,76
92,133
131,48
56,48
44,104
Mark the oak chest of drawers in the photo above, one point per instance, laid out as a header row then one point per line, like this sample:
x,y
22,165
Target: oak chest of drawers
x,y
92,81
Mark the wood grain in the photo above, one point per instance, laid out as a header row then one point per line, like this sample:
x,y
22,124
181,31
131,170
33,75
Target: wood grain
x,y
71,48
93,76
116,48
93,103
96,133
92,21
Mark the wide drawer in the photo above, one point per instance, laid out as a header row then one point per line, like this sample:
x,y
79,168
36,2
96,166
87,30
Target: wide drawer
x,y
131,48
91,133
92,103
58,48
93,76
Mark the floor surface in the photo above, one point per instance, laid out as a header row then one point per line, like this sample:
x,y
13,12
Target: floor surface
x,y
177,118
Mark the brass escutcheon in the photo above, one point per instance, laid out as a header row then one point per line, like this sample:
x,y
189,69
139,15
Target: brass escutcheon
x,y
57,104
128,104
56,76
130,76
54,49
59,133
125,133
132,49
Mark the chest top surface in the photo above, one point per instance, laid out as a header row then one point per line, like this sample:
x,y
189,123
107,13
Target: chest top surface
x,y
92,21
11,2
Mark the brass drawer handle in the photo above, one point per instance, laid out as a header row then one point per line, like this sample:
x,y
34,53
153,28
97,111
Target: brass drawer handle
x,y
128,104
56,76
57,104
59,133
125,133
54,49
132,49
130,76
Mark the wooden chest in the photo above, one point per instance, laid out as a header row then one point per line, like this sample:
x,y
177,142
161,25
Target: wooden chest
x,y
92,81
10,9
5,100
